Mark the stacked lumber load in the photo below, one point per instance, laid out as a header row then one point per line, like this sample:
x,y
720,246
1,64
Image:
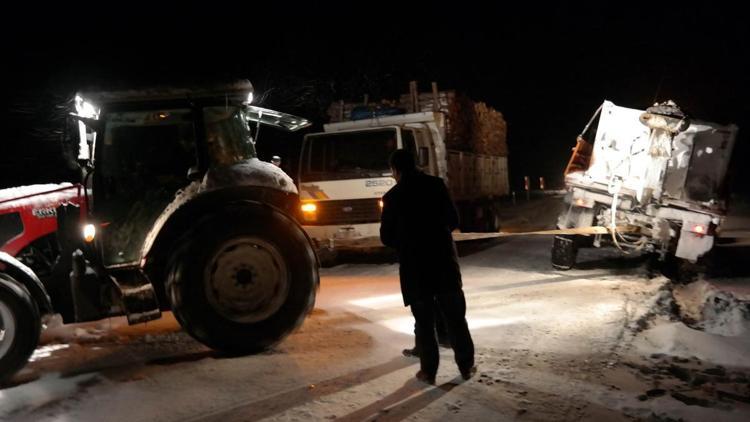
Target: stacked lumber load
x,y
489,131
470,126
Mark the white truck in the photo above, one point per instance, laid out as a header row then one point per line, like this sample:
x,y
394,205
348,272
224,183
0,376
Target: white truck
x,y
655,179
344,173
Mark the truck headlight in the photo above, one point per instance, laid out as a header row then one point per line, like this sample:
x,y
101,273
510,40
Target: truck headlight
x,y
89,233
309,211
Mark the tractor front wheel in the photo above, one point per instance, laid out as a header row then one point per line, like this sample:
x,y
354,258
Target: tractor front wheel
x,y
19,326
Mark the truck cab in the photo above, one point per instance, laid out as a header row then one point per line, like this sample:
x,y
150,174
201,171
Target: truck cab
x,y
344,173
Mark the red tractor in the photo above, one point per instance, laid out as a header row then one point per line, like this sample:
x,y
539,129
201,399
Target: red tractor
x,y
28,222
174,212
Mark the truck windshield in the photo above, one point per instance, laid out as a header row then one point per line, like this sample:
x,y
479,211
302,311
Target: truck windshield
x,y
348,155
227,135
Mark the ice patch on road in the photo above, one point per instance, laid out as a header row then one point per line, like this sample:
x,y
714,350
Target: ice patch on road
x,y
46,351
379,302
47,390
405,325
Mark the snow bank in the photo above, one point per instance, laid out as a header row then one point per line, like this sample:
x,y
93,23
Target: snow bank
x,y
677,339
711,308
701,321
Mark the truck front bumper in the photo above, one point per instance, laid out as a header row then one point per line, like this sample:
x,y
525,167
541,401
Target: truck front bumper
x,y
353,236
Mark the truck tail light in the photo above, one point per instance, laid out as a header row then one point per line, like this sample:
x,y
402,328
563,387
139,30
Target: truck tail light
x,y
701,229
583,202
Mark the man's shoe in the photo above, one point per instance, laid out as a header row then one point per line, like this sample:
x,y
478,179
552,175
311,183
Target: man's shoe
x,y
468,372
422,376
411,353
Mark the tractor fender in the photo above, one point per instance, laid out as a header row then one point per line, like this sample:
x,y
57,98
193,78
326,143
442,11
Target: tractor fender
x,y
24,275
248,179
167,230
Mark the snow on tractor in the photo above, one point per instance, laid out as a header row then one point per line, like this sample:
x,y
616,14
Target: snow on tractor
x,y
655,179
175,211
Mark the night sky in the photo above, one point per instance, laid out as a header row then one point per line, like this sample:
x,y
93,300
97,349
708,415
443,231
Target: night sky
x,y
546,68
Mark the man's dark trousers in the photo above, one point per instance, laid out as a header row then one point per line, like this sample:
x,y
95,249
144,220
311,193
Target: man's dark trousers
x,y
452,304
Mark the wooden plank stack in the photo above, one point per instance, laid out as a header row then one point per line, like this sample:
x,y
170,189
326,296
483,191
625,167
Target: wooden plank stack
x,y
471,126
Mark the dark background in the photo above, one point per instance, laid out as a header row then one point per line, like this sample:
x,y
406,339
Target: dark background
x,y
545,67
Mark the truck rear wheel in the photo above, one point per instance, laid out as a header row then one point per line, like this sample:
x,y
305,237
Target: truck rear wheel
x,y
19,326
564,252
242,279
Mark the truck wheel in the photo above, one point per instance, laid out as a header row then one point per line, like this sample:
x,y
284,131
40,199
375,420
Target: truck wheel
x,y
19,326
493,220
328,257
564,252
242,279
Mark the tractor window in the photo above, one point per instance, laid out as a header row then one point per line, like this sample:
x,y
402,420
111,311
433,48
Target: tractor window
x,y
227,135
152,148
143,161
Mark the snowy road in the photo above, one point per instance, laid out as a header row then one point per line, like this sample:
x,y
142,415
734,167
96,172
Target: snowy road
x,y
550,346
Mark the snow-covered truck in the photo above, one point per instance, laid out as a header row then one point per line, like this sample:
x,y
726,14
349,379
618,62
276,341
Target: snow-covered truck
x,y
343,171
175,212
654,180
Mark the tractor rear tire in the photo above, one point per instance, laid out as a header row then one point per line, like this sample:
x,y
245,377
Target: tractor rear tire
x,y
242,279
564,252
20,326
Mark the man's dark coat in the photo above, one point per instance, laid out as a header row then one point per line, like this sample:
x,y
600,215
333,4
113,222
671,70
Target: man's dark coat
x,y
417,220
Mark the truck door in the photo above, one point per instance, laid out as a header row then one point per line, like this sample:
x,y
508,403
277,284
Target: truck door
x,y
418,142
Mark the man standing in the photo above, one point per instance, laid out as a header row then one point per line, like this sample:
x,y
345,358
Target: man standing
x,y
417,220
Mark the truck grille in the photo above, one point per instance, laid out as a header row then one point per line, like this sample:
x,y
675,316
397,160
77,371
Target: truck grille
x,y
350,211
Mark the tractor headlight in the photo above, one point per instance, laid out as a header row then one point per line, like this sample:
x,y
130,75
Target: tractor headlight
x,y
89,233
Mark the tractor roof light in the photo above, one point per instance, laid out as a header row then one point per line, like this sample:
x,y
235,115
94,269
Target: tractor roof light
x,y
85,108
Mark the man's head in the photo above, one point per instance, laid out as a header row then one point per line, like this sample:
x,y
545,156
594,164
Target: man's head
x,y
276,160
401,162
